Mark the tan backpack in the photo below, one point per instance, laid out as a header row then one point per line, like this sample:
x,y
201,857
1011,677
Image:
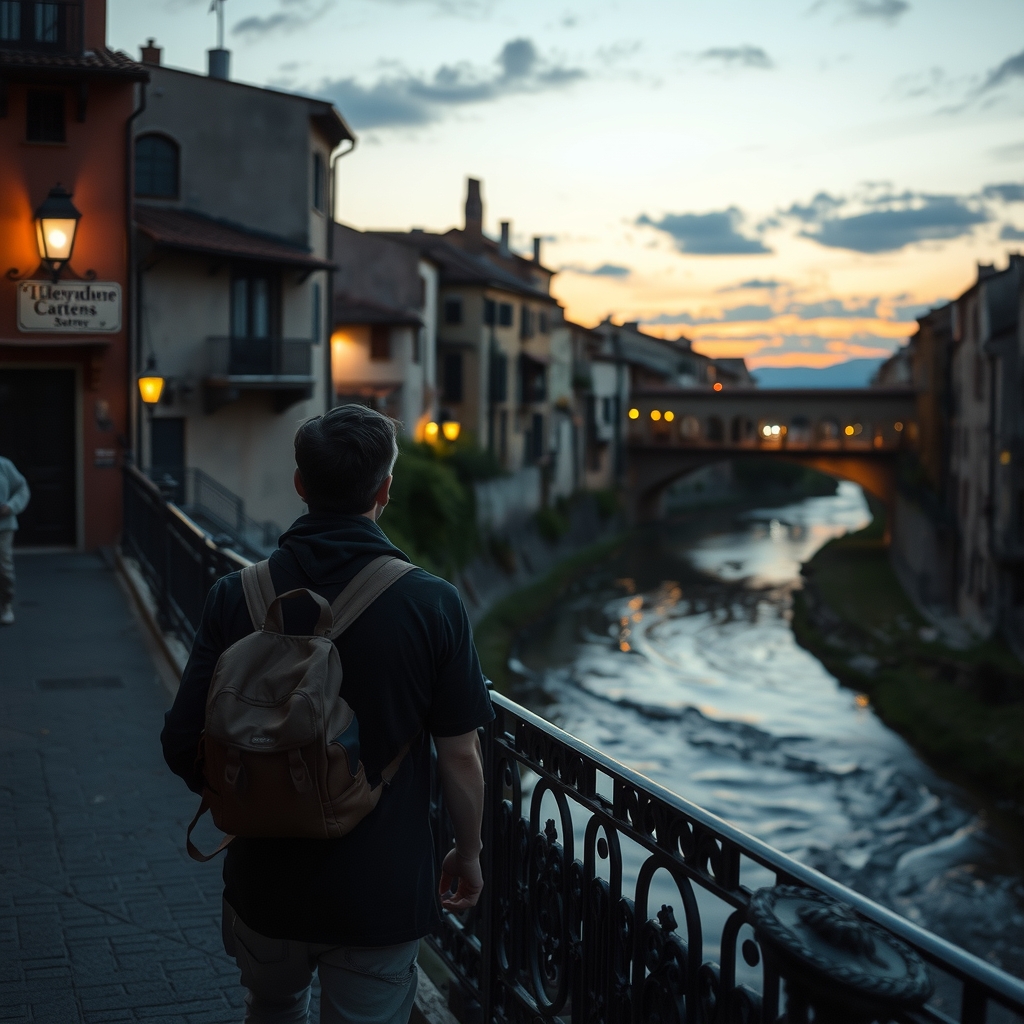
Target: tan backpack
x,y
279,751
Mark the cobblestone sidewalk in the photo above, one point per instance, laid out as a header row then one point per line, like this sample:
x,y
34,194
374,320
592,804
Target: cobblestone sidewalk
x,y
103,917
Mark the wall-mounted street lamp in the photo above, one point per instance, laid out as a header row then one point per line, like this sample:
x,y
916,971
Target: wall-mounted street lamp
x,y
430,432
56,227
151,385
451,430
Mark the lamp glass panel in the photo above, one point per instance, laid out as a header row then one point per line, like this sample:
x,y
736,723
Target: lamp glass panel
x,y
150,389
56,237
451,430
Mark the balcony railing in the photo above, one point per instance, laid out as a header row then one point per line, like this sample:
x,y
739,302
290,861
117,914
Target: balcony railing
x,y
51,27
609,899
283,366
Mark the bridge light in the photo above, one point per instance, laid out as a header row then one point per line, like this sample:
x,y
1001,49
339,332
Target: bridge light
x,y
655,415
776,430
1005,458
848,430
897,426
634,414
718,385
669,415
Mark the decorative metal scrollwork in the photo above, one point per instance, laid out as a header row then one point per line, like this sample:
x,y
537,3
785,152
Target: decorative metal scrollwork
x,y
559,936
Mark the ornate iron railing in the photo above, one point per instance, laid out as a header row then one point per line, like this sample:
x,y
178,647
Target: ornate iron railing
x,y
179,562
610,899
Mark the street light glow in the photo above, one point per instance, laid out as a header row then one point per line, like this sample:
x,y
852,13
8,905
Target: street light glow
x,y
655,415
634,414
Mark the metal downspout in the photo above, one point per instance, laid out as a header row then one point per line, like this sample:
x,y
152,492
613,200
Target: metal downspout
x,y
329,298
134,311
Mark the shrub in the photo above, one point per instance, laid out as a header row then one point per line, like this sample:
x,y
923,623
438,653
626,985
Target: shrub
x,y
607,503
431,515
552,524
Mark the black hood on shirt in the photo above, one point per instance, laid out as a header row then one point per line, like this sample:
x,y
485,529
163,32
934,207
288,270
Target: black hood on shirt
x,y
331,548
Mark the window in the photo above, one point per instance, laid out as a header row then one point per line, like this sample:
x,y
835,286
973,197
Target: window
x,y
417,343
319,183
45,121
490,312
10,20
526,323
253,306
499,377
534,440
156,167
505,314
532,381
542,322
380,342
47,26
453,310
451,381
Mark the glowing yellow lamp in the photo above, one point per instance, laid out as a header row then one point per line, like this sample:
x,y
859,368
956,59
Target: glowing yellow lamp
x,y
634,414
669,415
451,429
430,431
655,415
150,389
56,227
849,431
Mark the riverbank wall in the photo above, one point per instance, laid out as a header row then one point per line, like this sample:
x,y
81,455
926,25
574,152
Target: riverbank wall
x,y
961,707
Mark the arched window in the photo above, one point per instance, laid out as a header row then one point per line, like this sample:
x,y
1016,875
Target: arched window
x,y
156,167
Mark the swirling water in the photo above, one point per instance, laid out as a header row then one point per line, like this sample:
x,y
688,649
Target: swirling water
x,y
677,658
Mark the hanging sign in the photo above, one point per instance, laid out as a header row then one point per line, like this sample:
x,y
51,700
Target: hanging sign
x,y
72,307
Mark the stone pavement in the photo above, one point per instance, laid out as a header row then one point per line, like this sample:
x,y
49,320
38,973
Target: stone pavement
x,y
103,917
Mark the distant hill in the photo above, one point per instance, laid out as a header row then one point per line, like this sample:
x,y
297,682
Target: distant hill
x,y
856,373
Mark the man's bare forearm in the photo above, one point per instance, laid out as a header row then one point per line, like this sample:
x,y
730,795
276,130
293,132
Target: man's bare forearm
x,y
462,781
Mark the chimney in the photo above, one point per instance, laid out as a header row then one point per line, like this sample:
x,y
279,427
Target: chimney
x,y
505,251
151,53
219,64
536,249
474,227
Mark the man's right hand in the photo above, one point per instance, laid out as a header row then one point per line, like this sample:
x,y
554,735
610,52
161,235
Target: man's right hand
x,y
466,870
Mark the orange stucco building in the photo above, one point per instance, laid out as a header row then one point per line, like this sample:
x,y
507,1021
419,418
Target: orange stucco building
x,y
66,103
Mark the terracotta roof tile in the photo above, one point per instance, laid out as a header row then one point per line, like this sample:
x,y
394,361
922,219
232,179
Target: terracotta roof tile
x,y
96,62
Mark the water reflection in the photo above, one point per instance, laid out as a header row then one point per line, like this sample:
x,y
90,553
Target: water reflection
x,y
678,660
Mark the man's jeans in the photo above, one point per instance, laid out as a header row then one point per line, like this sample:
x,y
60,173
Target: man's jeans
x,y
6,568
358,985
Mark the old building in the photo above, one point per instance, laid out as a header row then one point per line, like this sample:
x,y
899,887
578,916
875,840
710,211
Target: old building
x,y
233,232
384,327
66,101
495,316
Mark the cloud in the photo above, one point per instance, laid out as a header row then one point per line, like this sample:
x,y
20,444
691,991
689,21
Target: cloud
x,y
1014,151
753,284
707,234
1011,234
405,99
1012,67
298,15
884,222
454,8
889,11
1010,192
605,270
739,56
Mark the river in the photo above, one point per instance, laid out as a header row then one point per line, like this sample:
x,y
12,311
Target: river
x,y
676,657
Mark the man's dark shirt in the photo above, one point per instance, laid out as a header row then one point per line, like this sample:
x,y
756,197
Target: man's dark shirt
x,y
410,669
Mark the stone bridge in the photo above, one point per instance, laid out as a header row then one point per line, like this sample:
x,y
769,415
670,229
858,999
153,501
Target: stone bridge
x,y
853,434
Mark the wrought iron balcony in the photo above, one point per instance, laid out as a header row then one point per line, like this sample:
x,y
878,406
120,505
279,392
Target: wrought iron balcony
x,y
282,366
51,27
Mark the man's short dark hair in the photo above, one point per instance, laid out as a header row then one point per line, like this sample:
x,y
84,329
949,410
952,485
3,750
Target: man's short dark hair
x,y
343,458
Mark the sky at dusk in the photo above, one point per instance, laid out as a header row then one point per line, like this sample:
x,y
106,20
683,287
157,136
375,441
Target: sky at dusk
x,y
787,181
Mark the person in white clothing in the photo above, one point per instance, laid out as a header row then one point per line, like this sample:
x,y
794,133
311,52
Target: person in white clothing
x,y
14,497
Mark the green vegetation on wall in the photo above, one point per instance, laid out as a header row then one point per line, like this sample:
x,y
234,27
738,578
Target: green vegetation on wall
x,y
432,512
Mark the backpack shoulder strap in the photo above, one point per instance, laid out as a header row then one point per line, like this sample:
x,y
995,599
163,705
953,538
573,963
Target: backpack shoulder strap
x,y
259,592
368,584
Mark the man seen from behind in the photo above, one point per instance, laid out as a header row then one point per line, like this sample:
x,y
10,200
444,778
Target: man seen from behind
x,y
14,498
352,909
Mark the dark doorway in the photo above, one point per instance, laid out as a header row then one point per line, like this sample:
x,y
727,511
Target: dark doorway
x,y
37,433
167,456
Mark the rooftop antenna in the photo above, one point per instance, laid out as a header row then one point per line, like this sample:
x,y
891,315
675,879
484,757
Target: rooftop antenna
x,y
218,6
219,59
